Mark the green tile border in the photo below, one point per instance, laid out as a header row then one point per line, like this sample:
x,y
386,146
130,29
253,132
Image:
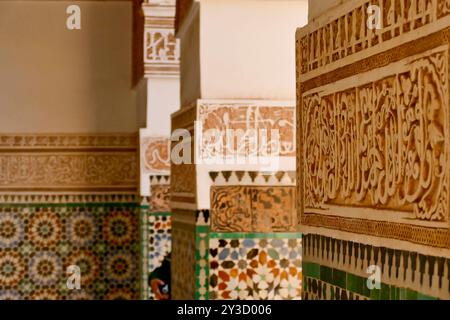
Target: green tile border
x,y
357,284
160,214
220,235
143,258
198,265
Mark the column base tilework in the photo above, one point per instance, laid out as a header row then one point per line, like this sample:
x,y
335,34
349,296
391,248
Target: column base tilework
x,y
143,258
255,266
189,268
201,267
39,241
335,269
159,241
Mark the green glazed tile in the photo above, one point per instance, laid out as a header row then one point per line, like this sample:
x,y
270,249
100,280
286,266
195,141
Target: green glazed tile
x,y
411,294
365,288
339,278
313,270
326,274
421,296
240,235
392,294
351,282
402,294
384,292
375,294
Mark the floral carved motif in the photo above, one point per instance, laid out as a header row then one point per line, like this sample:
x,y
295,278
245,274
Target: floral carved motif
x,y
68,170
247,120
381,144
332,39
161,46
43,162
157,155
253,209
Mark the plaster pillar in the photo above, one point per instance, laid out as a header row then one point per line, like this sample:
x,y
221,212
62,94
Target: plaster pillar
x,y
233,205
161,74
373,144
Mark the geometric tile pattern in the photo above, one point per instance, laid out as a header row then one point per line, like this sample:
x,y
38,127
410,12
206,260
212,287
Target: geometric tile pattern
x,y
159,240
39,242
189,265
249,266
344,264
202,267
327,286
315,289
183,265
143,246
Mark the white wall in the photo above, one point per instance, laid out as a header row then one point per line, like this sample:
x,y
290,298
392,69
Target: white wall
x,y
248,48
190,57
163,100
56,80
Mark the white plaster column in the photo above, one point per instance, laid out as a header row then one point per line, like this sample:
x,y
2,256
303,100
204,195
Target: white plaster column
x,y
161,71
238,58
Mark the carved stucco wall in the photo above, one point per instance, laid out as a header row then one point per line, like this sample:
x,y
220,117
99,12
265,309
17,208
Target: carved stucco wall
x,y
69,176
69,200
373,159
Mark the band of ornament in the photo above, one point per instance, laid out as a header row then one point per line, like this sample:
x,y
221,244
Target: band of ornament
x,y
256,178
65,198
67,141
156,155
82,164
343,32
374,152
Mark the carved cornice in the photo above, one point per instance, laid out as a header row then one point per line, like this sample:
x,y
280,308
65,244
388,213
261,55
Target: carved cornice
x,y
68,163
67,141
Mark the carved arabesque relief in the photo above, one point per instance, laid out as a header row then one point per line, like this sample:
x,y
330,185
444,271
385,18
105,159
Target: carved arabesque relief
x,y
74,170
348,34
161,46
255,129
156,154
382,144
76,161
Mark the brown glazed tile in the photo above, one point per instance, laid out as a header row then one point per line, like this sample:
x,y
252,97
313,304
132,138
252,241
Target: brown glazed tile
x,y
253,209
273,209
231,209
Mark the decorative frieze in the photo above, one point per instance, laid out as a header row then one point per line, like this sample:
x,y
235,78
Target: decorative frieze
x,y
381,144
253,126
71,163
156,155
256,178
421,273
343,32
242,136
373,116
